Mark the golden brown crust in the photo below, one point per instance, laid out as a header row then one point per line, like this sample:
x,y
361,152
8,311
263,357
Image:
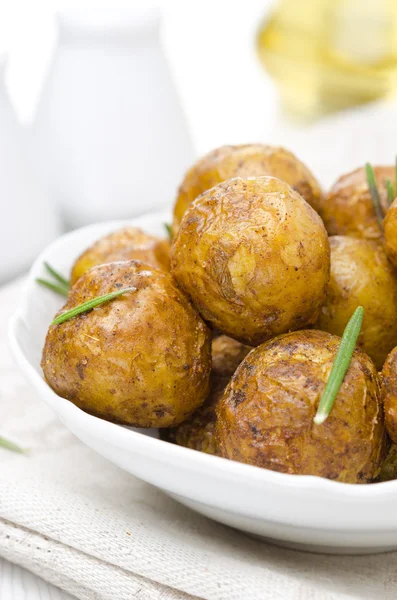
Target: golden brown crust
x,y
389,466
248,160
362,275
129,243
198,432
348,208
390,231
265,417
227,354
389,394
254,258
142,359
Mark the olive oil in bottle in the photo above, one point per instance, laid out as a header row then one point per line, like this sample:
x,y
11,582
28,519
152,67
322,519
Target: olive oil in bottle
x,y
328,55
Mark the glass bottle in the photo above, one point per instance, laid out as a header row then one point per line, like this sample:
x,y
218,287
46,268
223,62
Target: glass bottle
x,y
329,55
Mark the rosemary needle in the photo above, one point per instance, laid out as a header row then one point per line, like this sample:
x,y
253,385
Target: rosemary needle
x,y
168,230
390,192
57,275
55,287
374,193
8,445
341,365
89,305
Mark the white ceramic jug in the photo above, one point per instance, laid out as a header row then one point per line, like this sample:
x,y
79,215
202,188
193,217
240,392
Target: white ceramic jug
x,y
110,128
28,219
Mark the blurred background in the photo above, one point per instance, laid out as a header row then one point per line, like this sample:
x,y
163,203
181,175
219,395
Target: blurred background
x,y
104,105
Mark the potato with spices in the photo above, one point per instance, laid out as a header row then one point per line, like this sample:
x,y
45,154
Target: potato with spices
x,y
248,160
142,359
198,432
348,208
361,275
265,417
254,258
389,394
390,232
129,243
227,354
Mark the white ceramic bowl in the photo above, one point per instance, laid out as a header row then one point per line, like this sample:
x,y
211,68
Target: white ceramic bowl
x,y
299,511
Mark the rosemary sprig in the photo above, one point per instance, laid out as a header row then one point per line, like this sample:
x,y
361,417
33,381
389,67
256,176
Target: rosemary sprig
x,y
8,445
89,305
395,177
390,191
60,285
341,365
168,230
55,287
373,188
57,275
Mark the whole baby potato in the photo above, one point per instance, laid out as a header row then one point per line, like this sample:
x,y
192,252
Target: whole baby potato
x,y
254,258
265,417
248,160
129,243
348,208
198,431
390,231
361,275
227,354
389,394
142,359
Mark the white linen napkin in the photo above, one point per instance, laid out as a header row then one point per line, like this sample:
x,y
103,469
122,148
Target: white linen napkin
x,y
86,526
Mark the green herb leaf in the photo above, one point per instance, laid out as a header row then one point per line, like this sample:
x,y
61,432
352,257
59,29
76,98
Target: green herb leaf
x,y
341,365
390,192
8,445
89,305
55,287
374,193
57,276
168,230
395,175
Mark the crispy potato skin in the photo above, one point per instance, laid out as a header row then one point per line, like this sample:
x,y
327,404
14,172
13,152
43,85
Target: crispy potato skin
x,y
254,258
390,231
389,394
143,359
227,354
129,243
362,275
265,417
249,160
198,432
348,208
389,466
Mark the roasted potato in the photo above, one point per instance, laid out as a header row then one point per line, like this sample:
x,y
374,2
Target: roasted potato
x,y
390,231
143,359
348,208
389,466
198,431
389,394
249,160
129,243
254,258
265,417
362,275
227,354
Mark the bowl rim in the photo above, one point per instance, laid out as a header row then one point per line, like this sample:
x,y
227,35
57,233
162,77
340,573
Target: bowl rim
x,y
120,435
